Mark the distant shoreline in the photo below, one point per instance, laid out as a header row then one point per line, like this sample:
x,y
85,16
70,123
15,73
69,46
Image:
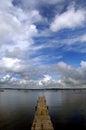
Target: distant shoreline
x,y
1,89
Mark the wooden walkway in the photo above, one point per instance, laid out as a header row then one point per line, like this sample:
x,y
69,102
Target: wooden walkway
x,y
42,119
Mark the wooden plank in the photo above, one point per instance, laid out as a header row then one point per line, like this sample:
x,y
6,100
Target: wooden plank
x,y
42,119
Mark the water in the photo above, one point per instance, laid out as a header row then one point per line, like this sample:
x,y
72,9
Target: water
x,y
67,108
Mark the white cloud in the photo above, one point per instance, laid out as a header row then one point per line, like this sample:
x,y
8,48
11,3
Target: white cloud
x,y
70,19
12,28
4,4
50,1
15,65
83,64
17,29
82,38
6,77
69,76
36,3
46,80
10,64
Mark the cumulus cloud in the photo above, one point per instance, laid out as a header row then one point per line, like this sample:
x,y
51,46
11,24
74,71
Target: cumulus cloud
x,y
71,76
16,30
11,64
69,19
47,79
4,4
67,77
83,64
18,27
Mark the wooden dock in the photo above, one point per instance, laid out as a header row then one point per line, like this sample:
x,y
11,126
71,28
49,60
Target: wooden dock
x,y
42,119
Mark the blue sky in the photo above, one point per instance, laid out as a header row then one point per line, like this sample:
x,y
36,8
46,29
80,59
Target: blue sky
x,y
43,43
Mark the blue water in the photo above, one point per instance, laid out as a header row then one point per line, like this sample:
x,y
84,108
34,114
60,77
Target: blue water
x,y
67,108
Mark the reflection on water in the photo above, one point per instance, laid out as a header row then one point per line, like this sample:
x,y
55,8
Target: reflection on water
x,y
67,108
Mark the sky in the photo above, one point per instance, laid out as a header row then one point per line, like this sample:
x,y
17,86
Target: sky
x,y
42,43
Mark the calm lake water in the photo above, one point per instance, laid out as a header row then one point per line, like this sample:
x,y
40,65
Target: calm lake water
x,y
67,108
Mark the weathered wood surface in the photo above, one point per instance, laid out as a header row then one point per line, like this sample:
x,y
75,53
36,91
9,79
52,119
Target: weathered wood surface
x,y
42,119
